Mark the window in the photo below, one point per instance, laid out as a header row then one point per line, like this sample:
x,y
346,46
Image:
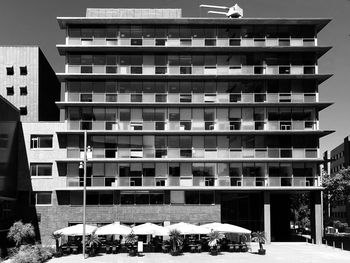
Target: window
x,y
42,198
10,91
40,141
41,169
23,70
23,110
23,91
10,70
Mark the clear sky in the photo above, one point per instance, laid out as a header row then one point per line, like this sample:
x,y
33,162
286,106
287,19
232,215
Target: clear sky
x,y
34,22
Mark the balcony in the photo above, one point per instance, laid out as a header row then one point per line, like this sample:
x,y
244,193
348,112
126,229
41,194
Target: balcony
x,y
192,97
194,42
194,181
212,153
243,125
193,70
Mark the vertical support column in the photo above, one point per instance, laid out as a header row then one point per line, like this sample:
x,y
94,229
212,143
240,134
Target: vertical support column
x,y
316,214
267,217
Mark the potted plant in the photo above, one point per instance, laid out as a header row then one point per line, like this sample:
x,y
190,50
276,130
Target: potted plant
x,y
131,243
92,243
259,236
56,237
176,242
213,242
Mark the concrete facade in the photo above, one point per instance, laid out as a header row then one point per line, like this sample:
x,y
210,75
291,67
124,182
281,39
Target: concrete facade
x,y
28,82
187,119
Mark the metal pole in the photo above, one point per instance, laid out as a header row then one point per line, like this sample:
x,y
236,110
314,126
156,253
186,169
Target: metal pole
x,y
84,192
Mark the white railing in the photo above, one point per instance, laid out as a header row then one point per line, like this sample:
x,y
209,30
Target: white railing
x,y
194,42
194,181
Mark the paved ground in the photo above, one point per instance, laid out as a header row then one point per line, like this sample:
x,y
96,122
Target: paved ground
x,y
276,252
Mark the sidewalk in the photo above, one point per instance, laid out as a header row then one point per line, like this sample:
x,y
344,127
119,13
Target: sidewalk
x,y
276,252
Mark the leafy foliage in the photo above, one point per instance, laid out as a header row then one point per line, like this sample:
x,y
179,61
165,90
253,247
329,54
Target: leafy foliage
x,y
131,238
259,237
337,186
214,238
300,210
21,234
32,254
92,240
175,240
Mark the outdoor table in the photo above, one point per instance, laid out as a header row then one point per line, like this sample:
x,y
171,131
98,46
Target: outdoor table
x,y
231,247
74,249
192,248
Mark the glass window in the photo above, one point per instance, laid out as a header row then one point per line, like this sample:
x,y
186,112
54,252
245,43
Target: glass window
x,y
206,197
174,169
209,142
141,199
156,198
86,59
106,198
177,197
43,198
192,197
41,141
41,169
173,32
99,60
235,169
124,114
87,32
223,169
74,32
173,141
124,31
198,32
160,32
127,199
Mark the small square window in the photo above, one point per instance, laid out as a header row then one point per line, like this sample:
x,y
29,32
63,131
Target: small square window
x,y
23,91
10,91
23,70
10,70
23,110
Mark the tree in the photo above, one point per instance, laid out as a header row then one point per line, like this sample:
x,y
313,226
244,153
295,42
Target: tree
x,y
21,234
259,237
300,210
337,186
176,241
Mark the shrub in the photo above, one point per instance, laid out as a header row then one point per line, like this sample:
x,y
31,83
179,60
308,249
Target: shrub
x,y
21,234
32,254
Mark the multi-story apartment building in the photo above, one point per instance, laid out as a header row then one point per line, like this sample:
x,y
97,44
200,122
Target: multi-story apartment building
x,y
188,119
29,90
9,130
340,159
28,82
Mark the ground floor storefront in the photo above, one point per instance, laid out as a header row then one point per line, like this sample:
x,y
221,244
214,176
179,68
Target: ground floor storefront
x,y
257,210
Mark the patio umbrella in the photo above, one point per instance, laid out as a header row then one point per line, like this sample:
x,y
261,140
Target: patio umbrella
x,y
113,229
150,229
188,229
76,230
226,228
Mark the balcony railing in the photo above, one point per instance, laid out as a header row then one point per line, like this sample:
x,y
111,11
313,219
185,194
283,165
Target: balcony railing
x,y
194,70
194,181
192,97
195,42
212,153
192,125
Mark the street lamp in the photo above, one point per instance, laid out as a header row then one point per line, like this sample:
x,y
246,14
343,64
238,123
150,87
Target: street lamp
x,y
82,165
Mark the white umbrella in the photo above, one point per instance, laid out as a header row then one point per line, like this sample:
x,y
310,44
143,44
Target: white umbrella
x,y
150,229
76,230
226,228
188,229
113,229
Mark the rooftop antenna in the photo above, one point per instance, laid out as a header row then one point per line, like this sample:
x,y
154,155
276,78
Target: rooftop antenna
x,y
231,12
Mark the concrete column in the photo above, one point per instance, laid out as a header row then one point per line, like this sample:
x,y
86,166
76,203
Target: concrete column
x,y
267,217
316,214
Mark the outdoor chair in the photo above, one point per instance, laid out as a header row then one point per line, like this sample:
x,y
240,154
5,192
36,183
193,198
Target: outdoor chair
x,y
165,248
236,248
199,248
231,247
114,249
